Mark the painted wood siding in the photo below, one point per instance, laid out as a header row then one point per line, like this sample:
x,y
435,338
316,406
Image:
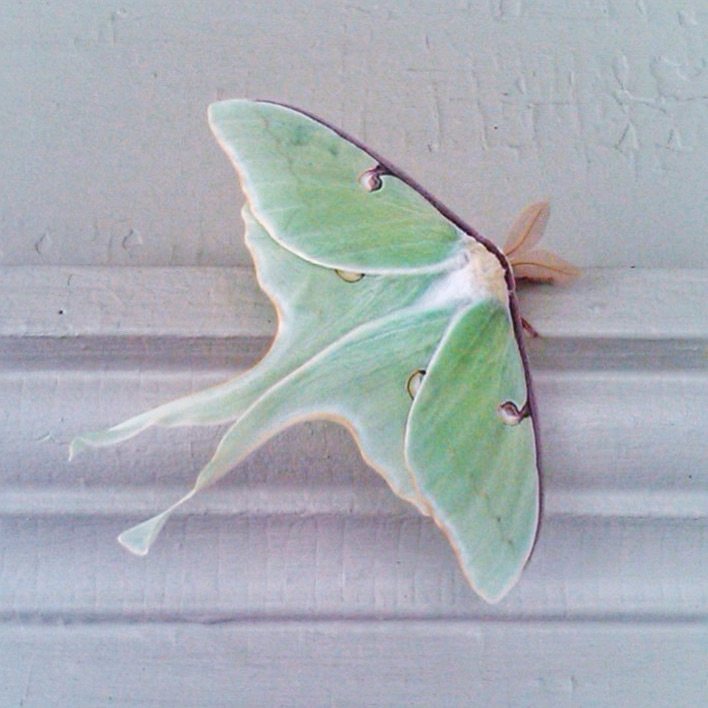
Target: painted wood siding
x,y
300,579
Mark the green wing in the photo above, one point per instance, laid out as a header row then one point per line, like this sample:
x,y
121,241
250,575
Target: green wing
x,y
477,472
349,347
304,184
316,309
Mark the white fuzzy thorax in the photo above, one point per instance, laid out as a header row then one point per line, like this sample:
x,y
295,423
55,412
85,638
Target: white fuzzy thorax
x,y
475,275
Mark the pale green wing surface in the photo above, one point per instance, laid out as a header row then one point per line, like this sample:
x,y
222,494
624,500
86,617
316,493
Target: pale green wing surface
x,y
321,212
304,184
361,380
315,307
477,473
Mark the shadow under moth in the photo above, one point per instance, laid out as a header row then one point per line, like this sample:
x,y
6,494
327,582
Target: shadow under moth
x,y
396,319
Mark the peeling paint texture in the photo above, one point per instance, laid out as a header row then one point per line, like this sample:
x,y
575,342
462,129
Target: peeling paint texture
x,y
600,105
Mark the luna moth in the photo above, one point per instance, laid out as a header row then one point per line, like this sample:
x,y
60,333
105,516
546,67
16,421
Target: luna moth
x,y
396,319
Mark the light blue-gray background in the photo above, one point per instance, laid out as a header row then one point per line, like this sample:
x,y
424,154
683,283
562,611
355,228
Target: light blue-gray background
x,y
600,105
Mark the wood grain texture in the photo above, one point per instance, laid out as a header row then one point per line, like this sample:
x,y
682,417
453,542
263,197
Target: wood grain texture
x,y
355,664
300,578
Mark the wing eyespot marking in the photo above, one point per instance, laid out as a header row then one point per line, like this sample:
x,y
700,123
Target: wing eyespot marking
x,y
348,276
510,414
414,381
371,180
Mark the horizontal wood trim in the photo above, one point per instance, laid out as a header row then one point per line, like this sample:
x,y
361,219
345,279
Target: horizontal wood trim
x,y
355,664
64,301
304,528
209,568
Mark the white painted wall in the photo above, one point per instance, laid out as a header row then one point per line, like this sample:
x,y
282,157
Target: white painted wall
x,y
300,580
599,104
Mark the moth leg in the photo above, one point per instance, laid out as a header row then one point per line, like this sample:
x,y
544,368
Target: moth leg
x,y
530,329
